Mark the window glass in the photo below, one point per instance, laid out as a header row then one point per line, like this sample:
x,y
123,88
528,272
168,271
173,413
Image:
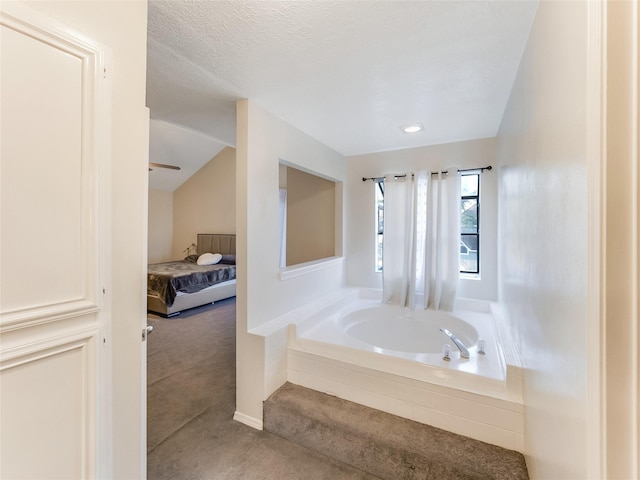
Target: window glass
x,y
470,223
469,215
469,185
379,224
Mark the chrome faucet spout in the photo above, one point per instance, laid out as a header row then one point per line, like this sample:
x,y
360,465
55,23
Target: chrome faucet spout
x,y
464,351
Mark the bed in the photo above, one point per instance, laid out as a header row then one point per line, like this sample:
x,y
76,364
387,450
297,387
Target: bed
x,y
176,286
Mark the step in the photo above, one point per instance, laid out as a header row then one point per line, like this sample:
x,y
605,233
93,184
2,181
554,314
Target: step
x,y
383,444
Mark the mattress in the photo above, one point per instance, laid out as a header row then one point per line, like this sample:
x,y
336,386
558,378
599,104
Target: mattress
x,y
165,280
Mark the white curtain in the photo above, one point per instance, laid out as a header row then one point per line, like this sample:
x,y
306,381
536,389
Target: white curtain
x,y
397,239
282,212
421,256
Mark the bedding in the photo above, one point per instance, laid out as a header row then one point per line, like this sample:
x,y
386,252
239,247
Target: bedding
x,y
166,279
173,287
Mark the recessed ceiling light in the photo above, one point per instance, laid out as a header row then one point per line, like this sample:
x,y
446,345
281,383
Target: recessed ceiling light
x,y
412,128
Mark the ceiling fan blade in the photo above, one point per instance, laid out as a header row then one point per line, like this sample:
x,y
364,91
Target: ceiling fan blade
x,y
162,165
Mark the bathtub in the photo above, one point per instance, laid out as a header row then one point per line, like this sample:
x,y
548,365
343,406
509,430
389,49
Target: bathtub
x,y
392,339
414,334
390,358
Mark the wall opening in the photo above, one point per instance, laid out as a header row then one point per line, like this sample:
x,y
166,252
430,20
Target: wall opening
x,y
309,230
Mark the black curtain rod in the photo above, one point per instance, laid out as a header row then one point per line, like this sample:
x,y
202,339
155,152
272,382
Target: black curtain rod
x,y
380,179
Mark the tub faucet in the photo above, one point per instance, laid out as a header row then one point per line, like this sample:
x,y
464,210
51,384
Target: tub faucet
x,y
464,351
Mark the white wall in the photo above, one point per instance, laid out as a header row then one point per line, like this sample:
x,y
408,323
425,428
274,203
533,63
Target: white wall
x,y
160,226
263,141
206,202
543,236
360,207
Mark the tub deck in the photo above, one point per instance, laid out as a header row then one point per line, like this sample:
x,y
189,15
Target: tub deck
x,y
480,398
483,374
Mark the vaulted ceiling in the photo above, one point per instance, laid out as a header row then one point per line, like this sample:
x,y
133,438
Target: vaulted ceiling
x,y
348,73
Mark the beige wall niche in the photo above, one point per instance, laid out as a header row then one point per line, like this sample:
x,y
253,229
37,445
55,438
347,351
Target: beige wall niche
x,y
311,203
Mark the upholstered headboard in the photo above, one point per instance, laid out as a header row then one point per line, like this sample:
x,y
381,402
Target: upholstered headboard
x,y
216,243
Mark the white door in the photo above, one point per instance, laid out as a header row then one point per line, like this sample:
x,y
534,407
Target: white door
x,y
55,360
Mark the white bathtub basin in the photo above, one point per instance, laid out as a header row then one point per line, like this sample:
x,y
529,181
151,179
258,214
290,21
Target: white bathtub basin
x,y
402,330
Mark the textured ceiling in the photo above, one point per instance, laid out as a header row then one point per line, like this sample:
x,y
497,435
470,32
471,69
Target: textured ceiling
x,y
348,73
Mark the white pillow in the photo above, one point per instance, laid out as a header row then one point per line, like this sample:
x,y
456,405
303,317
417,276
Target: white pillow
x,y
209,258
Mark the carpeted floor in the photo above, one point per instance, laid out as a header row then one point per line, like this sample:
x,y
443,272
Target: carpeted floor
x,y
191,433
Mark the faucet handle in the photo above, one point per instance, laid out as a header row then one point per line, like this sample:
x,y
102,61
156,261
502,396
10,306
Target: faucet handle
x,y
446,351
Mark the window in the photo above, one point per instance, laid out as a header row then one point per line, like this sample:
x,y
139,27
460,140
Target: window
x,y
469,223
379,223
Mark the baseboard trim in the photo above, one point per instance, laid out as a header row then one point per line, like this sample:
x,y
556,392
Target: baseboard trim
x,y
247,420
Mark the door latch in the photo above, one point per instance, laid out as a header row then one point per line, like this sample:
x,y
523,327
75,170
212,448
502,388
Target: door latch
x,y
146,331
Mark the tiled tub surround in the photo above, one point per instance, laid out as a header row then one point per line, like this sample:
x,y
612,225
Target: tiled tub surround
x,y
480,397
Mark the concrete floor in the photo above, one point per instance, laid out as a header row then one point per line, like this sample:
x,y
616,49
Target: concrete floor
x,y
191,401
